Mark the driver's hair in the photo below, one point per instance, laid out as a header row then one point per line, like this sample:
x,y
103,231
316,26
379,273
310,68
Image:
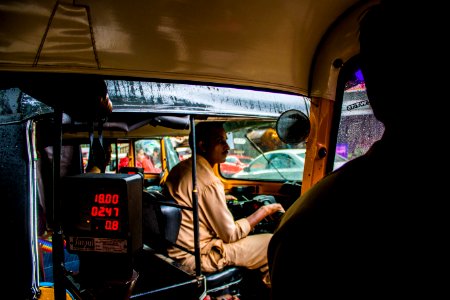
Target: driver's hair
x,y
204,131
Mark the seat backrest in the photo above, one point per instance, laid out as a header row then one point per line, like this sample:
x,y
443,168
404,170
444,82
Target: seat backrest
x,y
161,222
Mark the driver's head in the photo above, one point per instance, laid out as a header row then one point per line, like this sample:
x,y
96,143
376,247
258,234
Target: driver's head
x,y
210,142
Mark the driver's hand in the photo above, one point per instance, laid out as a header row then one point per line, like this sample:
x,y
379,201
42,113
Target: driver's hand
x,y
276,212
273,208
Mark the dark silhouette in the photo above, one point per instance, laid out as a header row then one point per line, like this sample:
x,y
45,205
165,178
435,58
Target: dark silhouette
x,y
99,157
371,229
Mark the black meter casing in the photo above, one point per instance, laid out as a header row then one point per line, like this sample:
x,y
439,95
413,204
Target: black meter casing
x,y
102,213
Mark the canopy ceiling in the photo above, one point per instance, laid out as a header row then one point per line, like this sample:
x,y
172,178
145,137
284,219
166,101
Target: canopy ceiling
x,y
253,43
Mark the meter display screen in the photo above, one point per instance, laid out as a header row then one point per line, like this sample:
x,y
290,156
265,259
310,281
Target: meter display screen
x,y
102,212
106,212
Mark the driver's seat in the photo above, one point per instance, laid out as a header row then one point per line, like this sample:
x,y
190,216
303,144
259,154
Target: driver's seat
x,y
162,220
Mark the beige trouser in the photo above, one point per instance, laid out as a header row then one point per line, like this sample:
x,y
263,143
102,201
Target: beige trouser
x,y
249,252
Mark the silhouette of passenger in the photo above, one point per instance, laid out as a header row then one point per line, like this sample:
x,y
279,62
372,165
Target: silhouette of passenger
x,y
371,228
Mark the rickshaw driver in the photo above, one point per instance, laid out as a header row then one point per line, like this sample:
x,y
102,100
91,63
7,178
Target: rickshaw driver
x,y
223,240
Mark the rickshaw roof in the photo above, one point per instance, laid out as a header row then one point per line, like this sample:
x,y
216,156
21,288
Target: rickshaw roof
x,y
256,44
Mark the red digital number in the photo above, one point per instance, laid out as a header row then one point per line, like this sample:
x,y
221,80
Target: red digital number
x,y
102,211
94,211
112,225
99,198
108,211
106,198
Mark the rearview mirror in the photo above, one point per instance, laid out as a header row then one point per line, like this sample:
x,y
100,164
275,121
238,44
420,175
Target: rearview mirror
x,y
293,127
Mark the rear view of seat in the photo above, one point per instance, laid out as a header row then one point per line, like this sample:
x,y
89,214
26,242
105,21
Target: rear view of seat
x,y
161,221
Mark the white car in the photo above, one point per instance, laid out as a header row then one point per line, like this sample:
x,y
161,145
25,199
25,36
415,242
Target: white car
x,y
339,160
276,165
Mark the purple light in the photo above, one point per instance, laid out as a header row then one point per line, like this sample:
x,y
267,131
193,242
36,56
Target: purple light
x,y
342,149
359,76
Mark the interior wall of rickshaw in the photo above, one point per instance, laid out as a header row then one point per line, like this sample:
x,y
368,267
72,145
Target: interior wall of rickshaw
x,y
338,45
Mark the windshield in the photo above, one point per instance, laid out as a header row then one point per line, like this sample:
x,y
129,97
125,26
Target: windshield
x,y
177,98
257,153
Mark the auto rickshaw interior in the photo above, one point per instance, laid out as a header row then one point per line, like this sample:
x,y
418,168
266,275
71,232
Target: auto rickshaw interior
x,y
82,111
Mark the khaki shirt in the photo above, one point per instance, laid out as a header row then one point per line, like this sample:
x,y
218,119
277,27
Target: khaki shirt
x,y
216,223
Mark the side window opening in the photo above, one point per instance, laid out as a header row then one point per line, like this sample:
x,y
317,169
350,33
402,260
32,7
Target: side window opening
x,y
357,127
148,155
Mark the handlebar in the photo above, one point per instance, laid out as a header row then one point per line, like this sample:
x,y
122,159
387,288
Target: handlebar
x,y
246,207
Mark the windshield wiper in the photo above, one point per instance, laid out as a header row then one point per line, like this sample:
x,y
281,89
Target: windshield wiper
x,y
265,157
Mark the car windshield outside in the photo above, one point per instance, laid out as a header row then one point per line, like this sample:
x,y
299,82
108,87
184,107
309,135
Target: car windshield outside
x,y
276,165
234,163
244,159
257,153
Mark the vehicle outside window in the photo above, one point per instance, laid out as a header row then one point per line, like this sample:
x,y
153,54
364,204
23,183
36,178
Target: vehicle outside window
x,y
147,153
120,157
181,146
257,153
234,163
339,161
85,155
276,165
119,153
172,156
183,152
125,158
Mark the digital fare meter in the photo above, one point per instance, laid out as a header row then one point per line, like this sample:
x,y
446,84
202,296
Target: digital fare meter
x,y
102,213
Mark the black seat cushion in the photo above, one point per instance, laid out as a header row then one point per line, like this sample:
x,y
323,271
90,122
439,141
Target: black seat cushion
x,y
161,223
224,278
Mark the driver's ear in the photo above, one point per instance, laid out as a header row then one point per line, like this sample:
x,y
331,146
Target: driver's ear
x,y
201,147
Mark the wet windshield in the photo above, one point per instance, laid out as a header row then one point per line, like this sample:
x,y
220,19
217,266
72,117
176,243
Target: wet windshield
x,y
188,99
257,153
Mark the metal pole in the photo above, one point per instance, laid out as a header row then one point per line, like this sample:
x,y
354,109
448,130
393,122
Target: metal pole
x,y
57,237
195,200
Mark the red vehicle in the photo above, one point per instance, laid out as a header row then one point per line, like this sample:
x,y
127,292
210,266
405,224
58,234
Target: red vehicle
x,y
234,163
